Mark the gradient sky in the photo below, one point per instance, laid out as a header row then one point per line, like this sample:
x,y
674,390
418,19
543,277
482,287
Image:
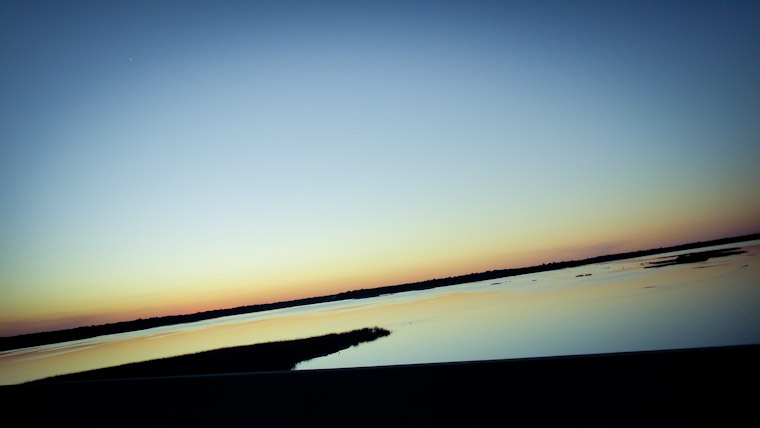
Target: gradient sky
x,y
168,157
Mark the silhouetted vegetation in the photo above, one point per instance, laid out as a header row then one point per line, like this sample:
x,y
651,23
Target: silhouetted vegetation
x,y
684,387
43,338
701,256
272,356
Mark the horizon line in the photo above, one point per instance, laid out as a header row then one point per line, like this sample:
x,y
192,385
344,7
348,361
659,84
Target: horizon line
x,y
81,332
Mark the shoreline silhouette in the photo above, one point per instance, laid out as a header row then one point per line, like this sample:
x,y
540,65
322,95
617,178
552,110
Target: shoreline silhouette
x,y
85,332
260,357
649,388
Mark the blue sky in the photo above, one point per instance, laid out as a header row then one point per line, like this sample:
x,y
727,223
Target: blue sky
x,y
165,157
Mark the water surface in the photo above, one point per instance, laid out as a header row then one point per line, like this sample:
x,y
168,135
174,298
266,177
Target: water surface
x,y
599,308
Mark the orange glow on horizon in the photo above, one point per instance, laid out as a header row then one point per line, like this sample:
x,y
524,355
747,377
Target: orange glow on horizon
x,y
207,298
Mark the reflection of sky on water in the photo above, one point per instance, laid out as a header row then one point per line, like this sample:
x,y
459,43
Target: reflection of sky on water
x,y
620,306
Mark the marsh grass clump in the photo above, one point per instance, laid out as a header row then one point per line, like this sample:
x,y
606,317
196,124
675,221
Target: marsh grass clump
x,y
272,356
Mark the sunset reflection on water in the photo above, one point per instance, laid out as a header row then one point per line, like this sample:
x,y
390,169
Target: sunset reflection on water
x,y
599,308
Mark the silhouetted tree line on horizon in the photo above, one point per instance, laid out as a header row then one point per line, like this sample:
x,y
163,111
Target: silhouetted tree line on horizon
x,y
43,338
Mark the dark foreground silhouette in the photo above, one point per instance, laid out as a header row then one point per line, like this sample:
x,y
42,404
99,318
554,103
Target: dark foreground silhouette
x,y
270,356
697,257
44,338
694,387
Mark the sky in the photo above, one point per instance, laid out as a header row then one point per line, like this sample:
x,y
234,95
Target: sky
x,y
165,157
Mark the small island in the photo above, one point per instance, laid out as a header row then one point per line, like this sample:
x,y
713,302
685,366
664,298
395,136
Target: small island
x,y
697,257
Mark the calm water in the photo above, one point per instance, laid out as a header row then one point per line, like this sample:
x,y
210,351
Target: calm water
x,y
620,306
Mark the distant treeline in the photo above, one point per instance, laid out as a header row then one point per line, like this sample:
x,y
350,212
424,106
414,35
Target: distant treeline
x,y
43,338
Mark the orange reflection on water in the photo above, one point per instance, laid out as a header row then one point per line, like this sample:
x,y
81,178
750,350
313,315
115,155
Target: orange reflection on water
x,y
609,307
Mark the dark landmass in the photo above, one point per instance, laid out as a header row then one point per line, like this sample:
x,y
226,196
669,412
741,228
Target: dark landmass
x,y
43,338
701,256
693,387
260,357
